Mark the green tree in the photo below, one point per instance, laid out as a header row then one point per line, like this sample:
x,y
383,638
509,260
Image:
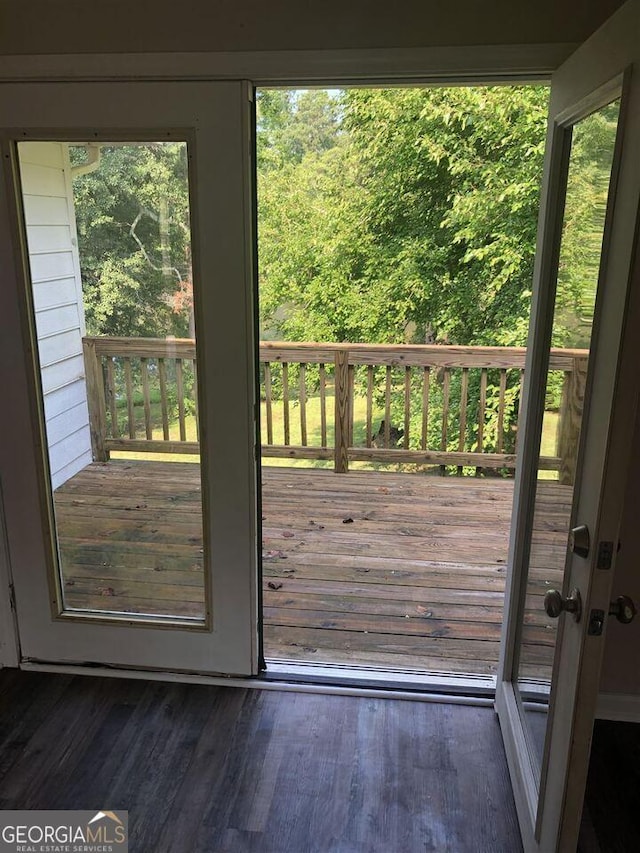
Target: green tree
x,y
132,216
588,179
418,223
292,124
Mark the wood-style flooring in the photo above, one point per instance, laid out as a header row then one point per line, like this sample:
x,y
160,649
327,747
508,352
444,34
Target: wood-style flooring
x,y
402,571
205,769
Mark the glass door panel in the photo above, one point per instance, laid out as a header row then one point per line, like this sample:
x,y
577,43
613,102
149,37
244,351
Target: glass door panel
x,y
109,246
588,180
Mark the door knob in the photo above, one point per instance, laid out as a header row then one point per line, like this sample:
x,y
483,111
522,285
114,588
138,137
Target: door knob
x,y
555,604
623,609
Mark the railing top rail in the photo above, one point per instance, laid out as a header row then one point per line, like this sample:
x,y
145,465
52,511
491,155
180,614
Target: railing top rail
x,y
428,355
462,348
143,347
400,355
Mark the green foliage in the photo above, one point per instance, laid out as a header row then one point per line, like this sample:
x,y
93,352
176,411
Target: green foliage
x,y
292,124
417,223
584,215
132,217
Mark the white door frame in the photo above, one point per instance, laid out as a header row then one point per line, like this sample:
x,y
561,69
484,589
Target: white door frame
x,y
452,65
484,64
473,64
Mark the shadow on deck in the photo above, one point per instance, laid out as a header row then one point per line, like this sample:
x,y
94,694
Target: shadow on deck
x,y
402,571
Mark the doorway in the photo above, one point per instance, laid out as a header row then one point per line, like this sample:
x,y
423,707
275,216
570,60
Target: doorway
x,y
396,235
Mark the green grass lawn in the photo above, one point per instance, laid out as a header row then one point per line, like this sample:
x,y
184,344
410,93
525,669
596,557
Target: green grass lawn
x,y
549,442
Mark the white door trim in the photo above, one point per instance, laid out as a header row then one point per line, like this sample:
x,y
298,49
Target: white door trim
x,y
9,642
472,64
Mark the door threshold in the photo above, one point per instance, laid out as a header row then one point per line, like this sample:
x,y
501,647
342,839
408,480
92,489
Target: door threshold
x,y
369,677
324,679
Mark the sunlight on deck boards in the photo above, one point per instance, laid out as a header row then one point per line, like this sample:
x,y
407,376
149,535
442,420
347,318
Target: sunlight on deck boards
x,y
366,568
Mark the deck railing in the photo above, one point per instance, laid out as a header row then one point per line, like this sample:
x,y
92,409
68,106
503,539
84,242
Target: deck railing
x,y
423,405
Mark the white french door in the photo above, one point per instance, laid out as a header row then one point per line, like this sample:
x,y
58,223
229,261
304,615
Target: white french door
x,y
548,684
118,556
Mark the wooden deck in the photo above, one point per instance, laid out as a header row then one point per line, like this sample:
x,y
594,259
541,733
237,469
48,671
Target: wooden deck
x,y
391,570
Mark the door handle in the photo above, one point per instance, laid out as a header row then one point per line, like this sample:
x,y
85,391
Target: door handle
x,y
623,609
555,604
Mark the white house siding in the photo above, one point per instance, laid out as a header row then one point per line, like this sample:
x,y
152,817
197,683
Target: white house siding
x,y
57,296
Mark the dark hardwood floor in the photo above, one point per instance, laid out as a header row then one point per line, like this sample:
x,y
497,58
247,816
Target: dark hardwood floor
x,y
227,769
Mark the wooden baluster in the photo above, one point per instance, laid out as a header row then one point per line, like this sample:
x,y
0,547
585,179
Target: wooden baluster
x,y
426,376
369,403
341,379
323,406
571,409
482,406
195,398
268,401
180,394
113,402
96,402
445,413
520,389
464,393
268,404
146,399
387,407
303,404
128,383
285,403
162,374
407,406
351,402
501,396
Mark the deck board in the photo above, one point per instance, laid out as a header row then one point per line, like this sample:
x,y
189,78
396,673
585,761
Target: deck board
x,y
367,568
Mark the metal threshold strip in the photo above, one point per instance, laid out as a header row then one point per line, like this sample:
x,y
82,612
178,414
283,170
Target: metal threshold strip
x,y
300,678
444,684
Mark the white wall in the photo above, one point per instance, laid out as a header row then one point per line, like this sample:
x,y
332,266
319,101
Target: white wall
x,y
57,294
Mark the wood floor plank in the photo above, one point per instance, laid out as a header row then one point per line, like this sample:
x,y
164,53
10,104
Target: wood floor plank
x,y
365,567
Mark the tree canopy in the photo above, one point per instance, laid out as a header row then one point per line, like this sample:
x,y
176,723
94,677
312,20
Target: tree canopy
x,y
385,215
414,220
132,216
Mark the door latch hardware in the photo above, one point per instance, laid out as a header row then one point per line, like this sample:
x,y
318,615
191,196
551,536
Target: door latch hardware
x,y
596,623
580,541
623,608
605,555
555,604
